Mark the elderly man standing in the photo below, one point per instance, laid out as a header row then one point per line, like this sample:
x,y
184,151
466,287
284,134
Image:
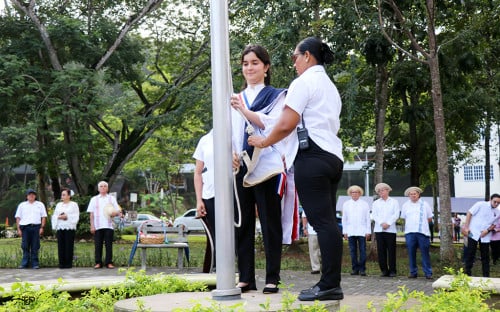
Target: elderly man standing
x,y
385,213
102,208
30,218
417,215
478,226
356,225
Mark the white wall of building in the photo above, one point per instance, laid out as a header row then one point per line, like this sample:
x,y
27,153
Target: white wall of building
x,y
469,179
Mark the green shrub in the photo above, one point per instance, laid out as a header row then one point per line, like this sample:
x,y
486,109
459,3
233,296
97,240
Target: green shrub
x,y
461,296
25,298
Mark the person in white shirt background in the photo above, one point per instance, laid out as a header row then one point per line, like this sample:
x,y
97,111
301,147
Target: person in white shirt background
x,y
479,224
356,227
205,190
30,219
312,242
385,213
417,214
64,222
101,224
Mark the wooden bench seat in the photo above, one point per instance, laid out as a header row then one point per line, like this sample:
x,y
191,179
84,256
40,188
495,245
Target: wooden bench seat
x,y
178,241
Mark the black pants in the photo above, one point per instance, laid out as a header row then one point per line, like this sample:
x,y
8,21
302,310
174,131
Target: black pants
x,y
495,250
30,244
209,220
268,202
65,247
317,174
470,254
103,236
386,249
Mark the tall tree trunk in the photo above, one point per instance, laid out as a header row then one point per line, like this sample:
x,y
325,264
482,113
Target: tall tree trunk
x,y
446,235
381,98
487,160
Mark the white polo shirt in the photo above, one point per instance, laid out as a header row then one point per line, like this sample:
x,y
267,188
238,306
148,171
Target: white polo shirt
x,y
316,99
385,211
356,218
482,216
416,217
205,153
30,213
96,205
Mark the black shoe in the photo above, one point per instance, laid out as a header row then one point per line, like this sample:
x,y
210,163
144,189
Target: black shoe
x,y
392,274
384,274
315,272
315,293
429,277
412,276
36,267
355,273
22,267
362,273
248,287
270,290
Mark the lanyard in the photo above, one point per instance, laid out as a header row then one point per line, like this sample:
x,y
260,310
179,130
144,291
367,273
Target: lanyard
x,y
246,100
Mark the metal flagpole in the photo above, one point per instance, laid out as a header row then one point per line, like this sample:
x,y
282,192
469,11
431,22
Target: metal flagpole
x,y
221,93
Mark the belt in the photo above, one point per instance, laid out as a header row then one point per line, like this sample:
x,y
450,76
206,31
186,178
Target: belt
x,y
32,224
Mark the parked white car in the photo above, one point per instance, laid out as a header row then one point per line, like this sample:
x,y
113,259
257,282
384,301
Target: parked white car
x,y
141,217
188,221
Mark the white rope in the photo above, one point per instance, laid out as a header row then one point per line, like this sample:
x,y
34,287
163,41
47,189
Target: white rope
x,y
244,156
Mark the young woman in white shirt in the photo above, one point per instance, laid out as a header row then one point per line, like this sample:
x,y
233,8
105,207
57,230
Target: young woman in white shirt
x,y
313,102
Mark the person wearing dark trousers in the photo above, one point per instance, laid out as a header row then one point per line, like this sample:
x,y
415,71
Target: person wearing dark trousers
x,y
312,108
30,220
102,208
431,230
258,105
356,227
64,222
495,243
385,213
205,193
478,227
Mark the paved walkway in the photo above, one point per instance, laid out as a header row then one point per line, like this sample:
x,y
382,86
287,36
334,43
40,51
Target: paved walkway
x,y
358,290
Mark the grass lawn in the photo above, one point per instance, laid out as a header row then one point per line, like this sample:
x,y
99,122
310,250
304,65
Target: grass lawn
x,y
295,257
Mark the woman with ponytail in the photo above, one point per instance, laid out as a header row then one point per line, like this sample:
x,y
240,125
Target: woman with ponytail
x,y
312,106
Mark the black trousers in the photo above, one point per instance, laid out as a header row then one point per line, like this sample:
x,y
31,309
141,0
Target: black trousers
x,y
317,174
103,236
386,250
264,196
470,254
495,250
65,247
209,220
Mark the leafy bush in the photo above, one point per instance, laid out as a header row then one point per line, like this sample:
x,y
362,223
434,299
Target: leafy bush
x,y
25,298
461,296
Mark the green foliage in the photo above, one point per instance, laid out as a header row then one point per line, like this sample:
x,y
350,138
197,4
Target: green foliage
x,y
25,297
461,297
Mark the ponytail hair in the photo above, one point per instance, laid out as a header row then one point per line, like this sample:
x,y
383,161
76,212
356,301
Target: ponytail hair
x,y
320,50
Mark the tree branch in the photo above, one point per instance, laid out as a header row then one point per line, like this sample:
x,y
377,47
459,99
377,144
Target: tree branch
x,y
134,19
29,11
412,39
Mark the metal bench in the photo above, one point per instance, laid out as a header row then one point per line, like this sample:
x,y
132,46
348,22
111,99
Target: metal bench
x,y
178,241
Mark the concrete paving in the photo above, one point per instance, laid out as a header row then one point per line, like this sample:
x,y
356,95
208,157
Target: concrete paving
x,y
358,290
